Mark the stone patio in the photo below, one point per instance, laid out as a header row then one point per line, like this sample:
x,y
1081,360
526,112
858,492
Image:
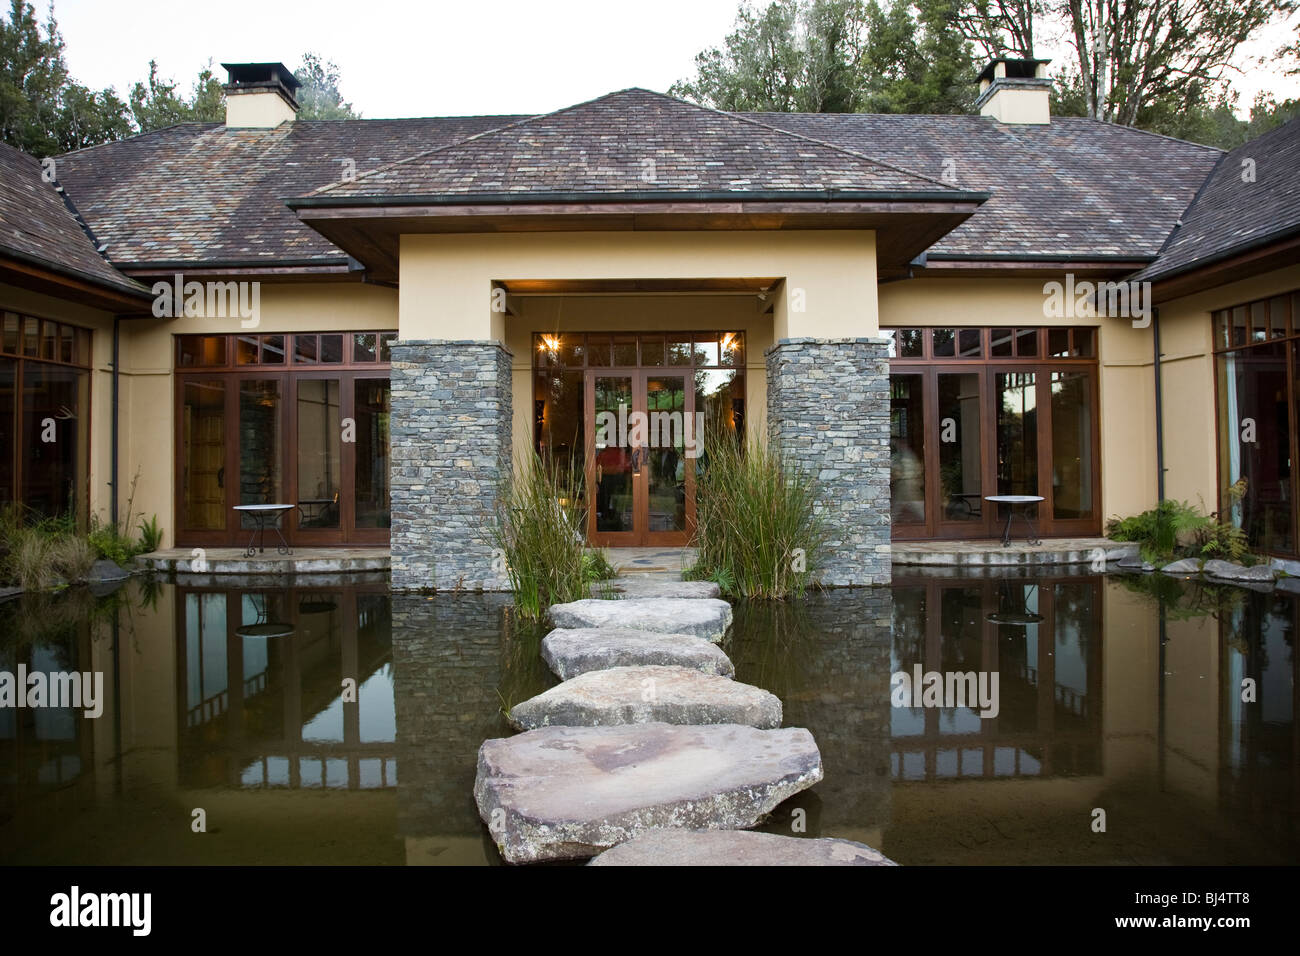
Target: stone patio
x,y
988,553
234,561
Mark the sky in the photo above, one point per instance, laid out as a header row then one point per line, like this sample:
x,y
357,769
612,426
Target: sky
x,y
435,58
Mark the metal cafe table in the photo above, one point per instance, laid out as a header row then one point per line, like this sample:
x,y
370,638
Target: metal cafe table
x,y
1011,501
264,515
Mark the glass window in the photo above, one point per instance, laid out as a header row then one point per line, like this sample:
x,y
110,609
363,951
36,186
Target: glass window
x,y
319,439
907,448
246,350
679,350
706,350
652,350
371,408
960,493
733,348
944,343
386,340
911,343
272,349
304,348
1277,316
1072,429
1015,398
1240,331
331,349
202,350
1084,342
1000,342
260,444
10,340
598,350
49,340
203,455
625,350
1254,443
364,347
1027,343
1058,343
31,336
968,343
67,347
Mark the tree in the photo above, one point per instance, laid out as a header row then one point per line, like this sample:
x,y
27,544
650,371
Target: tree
x,y
155,104
1000,28
319,96
837,56
42,110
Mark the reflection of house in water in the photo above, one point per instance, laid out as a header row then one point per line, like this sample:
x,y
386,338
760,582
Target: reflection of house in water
x,y
261,677
1042,637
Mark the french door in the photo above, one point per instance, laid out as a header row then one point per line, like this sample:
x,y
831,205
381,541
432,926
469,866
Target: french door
x,y
315,439
641,456
961,432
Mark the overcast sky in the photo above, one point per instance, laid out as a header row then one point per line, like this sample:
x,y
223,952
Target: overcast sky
x,y
432,58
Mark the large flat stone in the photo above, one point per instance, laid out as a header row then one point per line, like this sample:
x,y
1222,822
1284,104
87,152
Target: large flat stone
x,y
708,618
573,651
645,695
570,792
737,848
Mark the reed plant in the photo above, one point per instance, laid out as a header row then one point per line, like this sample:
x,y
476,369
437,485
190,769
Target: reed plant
x,y
759,531
538,530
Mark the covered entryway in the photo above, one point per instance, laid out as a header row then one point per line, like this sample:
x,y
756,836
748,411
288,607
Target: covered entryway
x,y
629,412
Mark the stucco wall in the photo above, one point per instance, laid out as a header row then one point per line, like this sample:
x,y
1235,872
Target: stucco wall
x,y
829,289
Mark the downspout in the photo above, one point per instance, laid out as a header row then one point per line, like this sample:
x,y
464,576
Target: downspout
x,y
112,476
1160,416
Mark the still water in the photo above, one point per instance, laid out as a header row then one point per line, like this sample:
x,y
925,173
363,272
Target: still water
x,y
237,702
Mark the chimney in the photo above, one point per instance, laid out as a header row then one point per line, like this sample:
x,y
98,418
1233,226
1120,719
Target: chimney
x,y
259,95
1015,91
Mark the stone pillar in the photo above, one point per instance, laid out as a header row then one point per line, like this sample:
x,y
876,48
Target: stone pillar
x,y
828,409
450,435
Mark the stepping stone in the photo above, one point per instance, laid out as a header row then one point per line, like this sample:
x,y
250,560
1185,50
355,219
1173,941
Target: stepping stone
x,y
660,588
677,695
1227,571
570,652
708,618
737,848
565,793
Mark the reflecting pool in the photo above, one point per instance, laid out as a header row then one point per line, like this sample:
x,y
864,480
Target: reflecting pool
x,y
339,723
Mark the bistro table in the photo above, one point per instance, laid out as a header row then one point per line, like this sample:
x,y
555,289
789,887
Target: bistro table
x,y
1011,501
264,515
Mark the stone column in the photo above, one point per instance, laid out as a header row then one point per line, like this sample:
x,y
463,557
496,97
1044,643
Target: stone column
x,y
828,409
450,436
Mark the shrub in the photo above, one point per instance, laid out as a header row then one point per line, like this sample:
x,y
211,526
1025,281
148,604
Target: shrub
x,y
71,557
538,528
596,566
758,528
1156,531
150,535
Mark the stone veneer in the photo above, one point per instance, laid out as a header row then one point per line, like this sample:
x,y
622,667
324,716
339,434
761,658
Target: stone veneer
x,y
828,409
450,438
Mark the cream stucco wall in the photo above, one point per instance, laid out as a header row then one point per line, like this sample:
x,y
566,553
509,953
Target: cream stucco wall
x,y
829,289
1125,374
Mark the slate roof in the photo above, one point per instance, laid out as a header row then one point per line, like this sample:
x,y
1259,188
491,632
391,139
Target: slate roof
x,y
36,226
1231,215
199,192
634,141
1072,188
204,193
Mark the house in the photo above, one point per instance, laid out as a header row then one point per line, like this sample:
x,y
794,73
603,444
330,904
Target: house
x,y
368,319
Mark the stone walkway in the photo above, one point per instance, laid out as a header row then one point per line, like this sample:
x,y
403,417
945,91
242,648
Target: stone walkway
x,y
1018,552
300,561
648,745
